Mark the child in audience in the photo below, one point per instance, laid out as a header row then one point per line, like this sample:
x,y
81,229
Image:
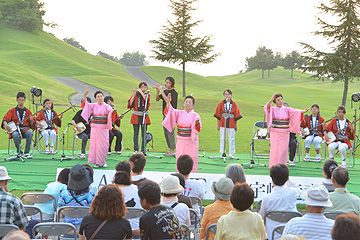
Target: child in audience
x,y
137,162
328,168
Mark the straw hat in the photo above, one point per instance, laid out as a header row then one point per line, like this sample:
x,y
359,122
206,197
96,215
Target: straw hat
x,y
222,188
4,174
171,185
317,196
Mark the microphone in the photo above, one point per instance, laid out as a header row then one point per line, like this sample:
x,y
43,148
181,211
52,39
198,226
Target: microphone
x,y
227,99
147,92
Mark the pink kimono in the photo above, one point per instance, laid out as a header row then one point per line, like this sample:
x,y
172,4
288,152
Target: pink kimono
x,y
100,126
279,134
187,137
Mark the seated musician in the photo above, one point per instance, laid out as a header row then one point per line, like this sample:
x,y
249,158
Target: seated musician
x,y
84,135
20,114
49,116
116,120
344,132
315,134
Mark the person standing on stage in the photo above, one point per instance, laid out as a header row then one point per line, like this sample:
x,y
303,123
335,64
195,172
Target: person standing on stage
x,y
293,143
50,132
227,114
170,88
100,126
315,135
116,120
281,120
16,115
137,102
188,124
343,137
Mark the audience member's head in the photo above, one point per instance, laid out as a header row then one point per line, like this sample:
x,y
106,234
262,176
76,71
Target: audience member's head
x,y
149,193
328,168
185,164
279,174
222,188
79,179
346,227
17,235
340,176
108,204
181,178
292,237
4,177
123,173
64,176
235,172
137,162
170,186
242,196
316,198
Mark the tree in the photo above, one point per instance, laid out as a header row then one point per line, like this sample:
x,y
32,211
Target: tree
x,y
107,56
293,61
133,59
75,43
263,60
278,59
343,64
177,43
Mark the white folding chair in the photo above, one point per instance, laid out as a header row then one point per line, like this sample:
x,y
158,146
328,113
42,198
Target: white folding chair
x,y
41,148
211,228
281,216
33,210
253,152
278,229
332,215
323,153
6,228
54,229
31,198
134,212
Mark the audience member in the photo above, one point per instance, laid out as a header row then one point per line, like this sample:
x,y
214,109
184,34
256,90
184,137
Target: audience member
x,y
170,188
91,170
292,237
222,206
137,162
107,209
160,222
281,198
313,225
328,168
342,200
235,172
192,188
181,197
78,193
11,208
16,235
346,227
241,221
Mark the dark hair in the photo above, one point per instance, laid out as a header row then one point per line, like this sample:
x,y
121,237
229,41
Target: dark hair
x,y
242,196
107,98
172,80
341,176
185,164
142,83
347,226
108,203
98,92
191,97
48,100
87,98
63,176
181,179
279,174
150,191
317,106
138,160
276,96
122,175
328,167
227,90
20,94
341,108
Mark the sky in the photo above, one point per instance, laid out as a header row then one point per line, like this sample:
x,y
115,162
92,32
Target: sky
x,y
237,27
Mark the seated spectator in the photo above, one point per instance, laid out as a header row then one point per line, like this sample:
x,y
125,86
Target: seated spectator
x,y
241,223
313,225
291,237
55,189
342,200
328,168
235,172
160,222
107,208
78,193
281,198
222,206
181,197
170,188
137,162
16,235
346,227
192,188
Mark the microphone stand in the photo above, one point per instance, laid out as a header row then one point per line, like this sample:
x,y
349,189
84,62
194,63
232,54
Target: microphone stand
x,y
63,156
356,138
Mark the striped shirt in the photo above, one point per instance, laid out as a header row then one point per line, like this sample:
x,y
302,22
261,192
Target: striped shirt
x,y
12,210
312,226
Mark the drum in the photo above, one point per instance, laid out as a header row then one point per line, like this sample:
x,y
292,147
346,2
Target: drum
x,y
43,125
82,126
306,133
261,133
331,137
12,125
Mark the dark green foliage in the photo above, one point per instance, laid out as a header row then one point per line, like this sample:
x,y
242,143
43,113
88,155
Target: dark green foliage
x,y
293,61
133,59
263,60
75,43
107,56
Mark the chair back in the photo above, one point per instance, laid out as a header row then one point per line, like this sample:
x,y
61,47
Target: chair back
x,y
185,231
332,215
258,206
281,216
211,228
6,228
278,229
36,197
260,124
55,229
72,211
32,210
134,212
197,201
193,215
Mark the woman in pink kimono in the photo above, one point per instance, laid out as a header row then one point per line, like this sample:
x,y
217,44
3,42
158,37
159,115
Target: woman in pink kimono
x,y
188,125
100,126
281,121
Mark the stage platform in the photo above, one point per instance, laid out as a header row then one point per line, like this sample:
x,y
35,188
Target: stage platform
x,y
35,173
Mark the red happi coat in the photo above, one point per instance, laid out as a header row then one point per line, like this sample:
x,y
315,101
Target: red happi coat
x,y
57,121
115,115
138,105
306,123
11,116
332,126
230,122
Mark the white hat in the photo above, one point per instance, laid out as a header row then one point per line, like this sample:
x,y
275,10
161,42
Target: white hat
x,y
4,174
317,196
171,185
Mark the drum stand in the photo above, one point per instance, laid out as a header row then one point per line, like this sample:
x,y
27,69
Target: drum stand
x,y
63,156
17,156
223,156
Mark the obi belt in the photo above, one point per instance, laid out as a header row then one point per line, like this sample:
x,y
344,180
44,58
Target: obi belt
x,y
184,131
280,124
100,120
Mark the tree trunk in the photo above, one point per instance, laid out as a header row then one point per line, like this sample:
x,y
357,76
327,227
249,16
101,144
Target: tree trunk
x,y
184,92
262,73
346,88
292,73
268,72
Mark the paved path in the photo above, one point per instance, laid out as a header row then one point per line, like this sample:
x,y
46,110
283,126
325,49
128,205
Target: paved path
x,y
139,74
80,88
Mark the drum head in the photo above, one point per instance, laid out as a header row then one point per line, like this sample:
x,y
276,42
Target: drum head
x,y
149,137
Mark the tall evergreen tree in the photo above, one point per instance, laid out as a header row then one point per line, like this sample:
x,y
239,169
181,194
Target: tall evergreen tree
x,y
177,43
343,64
293,61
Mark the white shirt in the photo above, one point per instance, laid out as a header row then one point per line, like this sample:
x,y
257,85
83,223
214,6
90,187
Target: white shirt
x,y
131,199
280,199
342,123
313,121
181,210
194,188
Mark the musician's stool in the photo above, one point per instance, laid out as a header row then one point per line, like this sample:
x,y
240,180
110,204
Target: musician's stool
x,y
42,151
22,143
323,154
351,157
